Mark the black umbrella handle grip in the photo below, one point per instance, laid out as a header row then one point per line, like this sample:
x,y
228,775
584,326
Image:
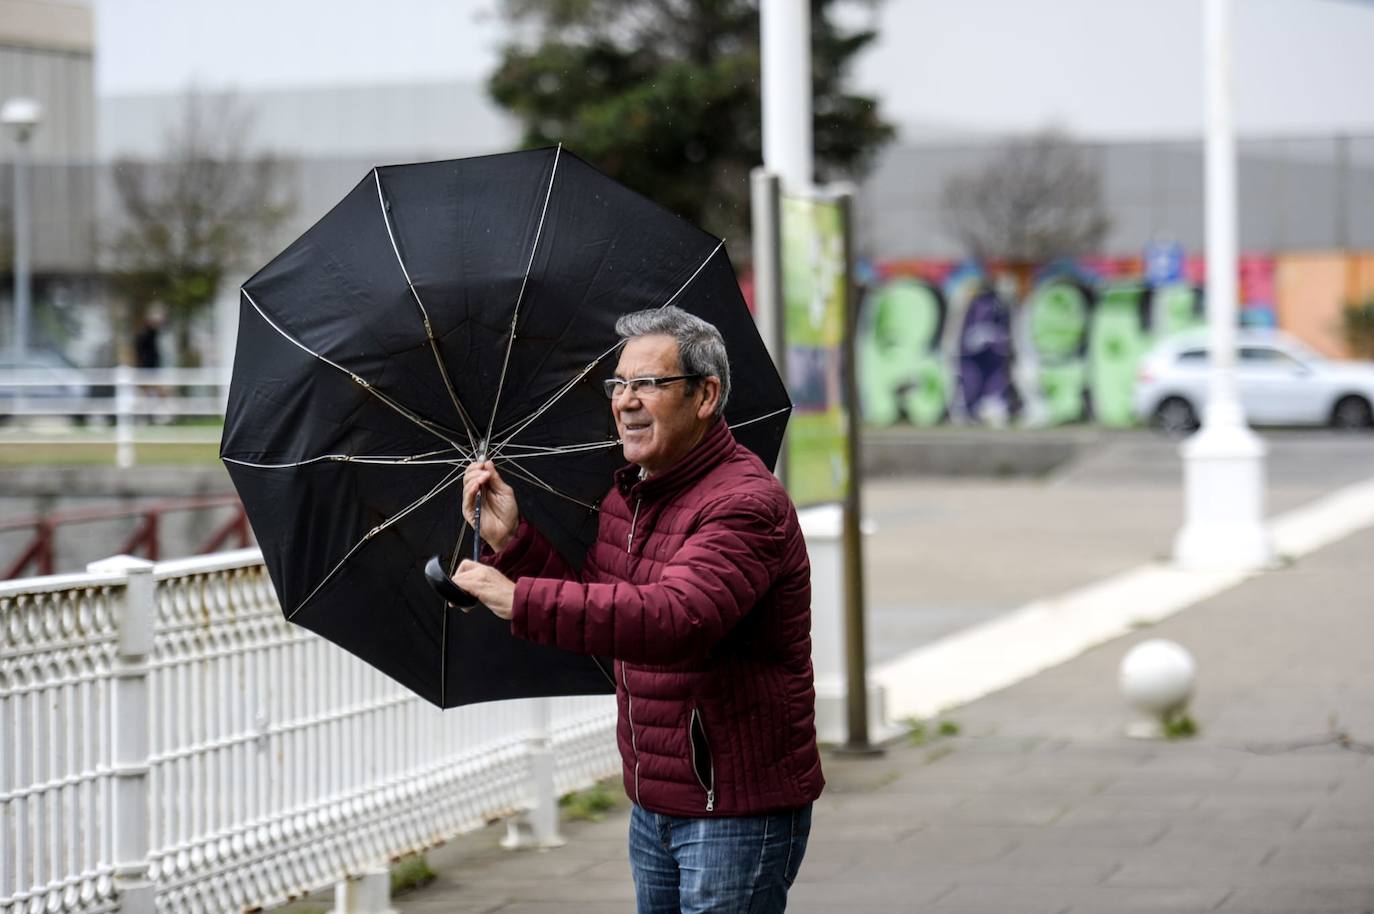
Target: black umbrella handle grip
x,y
443,585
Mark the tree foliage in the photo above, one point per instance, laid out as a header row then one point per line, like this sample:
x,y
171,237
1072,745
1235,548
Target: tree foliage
x,y
664,95
1037,200
197,214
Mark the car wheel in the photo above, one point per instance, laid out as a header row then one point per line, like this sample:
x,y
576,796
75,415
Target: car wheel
x,y
1352,412
1175,417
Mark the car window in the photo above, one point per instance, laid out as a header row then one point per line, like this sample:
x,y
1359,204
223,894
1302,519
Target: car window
x,y
1193,356
1268,357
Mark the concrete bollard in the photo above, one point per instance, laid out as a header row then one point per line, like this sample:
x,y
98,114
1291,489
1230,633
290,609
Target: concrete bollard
x,y
367,893
1156,679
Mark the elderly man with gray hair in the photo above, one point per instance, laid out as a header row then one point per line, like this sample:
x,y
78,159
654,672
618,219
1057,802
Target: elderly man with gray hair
x,y
698,585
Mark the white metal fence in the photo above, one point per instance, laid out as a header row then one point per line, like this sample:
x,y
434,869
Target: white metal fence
x,y
116,397
168,741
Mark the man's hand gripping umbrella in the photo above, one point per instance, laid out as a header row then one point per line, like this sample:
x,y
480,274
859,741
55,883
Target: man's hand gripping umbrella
x,y
474,581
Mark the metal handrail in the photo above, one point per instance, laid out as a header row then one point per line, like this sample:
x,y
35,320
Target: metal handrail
x,y
39,552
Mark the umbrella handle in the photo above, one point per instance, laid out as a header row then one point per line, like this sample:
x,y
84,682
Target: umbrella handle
x,y
443,585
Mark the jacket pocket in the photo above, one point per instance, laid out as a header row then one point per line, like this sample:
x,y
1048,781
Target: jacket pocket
x,y
702,765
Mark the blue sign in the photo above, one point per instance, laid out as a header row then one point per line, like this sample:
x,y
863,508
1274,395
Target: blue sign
x,y
1163,262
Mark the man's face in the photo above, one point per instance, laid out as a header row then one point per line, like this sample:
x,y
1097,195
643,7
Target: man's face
x,y
659,427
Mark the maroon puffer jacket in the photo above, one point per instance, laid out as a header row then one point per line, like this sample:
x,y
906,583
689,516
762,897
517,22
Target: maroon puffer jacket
x,y
699,586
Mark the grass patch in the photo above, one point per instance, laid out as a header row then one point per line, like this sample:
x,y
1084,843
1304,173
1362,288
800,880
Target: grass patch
x,y
410,873
920,732
90,453
1179,725
589,805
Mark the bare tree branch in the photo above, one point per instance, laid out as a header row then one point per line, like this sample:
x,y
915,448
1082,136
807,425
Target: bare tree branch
x,y
1038,200
202,211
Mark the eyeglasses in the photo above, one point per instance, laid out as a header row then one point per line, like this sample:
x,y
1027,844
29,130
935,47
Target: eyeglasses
x,y
642,387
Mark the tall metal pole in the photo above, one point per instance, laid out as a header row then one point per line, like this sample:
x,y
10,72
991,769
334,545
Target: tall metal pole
x,y
855,639
766,225
785,45
1224,462
22,283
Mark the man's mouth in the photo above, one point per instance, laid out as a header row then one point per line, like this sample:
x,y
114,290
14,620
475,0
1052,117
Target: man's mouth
x,y
635,426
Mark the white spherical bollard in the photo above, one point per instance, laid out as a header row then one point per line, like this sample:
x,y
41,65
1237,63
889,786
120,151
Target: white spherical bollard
x,y
1157,679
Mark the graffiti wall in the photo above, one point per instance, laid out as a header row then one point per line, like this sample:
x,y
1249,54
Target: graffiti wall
x,y
942,341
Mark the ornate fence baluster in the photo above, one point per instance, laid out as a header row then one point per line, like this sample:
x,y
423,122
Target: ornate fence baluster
x,y
270,763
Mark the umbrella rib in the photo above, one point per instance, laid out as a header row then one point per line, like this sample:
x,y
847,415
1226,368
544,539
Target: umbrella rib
x,y
468,425
519,299
776,412
380,460
364,384
508,434
529,476
450,479
348,458
713,253
532,450
527,451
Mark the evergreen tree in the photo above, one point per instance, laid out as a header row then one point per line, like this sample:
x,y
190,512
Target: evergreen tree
x,y
664,96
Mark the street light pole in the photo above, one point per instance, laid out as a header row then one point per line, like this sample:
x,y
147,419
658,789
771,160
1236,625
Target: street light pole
x,y
785,46
1223,464
21,116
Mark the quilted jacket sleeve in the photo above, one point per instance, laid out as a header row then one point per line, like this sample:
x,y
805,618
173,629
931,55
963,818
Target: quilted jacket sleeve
x,y
722,569
528,553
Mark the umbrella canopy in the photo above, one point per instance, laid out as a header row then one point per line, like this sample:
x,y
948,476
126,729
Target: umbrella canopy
x,y
439,312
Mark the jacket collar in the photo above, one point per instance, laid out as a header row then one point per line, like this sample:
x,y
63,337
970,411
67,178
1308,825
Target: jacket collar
x,y
714,446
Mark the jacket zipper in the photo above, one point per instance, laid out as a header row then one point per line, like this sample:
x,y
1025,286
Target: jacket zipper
x,y
634,520
630,712
694,726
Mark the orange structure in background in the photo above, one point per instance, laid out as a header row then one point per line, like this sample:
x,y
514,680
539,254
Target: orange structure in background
x,y
1312,292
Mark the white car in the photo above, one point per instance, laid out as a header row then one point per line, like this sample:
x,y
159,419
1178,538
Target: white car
x,y
1280,382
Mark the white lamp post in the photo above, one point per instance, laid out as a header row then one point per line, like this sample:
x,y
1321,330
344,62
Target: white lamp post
x,y
1223,464
785,43
21,116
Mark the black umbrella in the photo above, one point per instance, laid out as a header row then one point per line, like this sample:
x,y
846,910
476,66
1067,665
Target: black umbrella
x,y
441,311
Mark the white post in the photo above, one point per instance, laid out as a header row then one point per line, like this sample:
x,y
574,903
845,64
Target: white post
x,y
785,46
23,286
129,707
538,827
367,893
21,117
1223,464
765,212
124,416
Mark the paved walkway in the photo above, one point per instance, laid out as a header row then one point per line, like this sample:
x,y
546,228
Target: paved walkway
x,y
1041,805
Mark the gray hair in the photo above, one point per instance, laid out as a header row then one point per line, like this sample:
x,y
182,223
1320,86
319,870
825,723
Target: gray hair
x,y
700,348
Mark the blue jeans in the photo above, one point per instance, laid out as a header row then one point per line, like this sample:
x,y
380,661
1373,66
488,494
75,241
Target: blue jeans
x,y
728,865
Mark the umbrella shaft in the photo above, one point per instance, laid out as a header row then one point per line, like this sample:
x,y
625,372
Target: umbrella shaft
x,y
477,528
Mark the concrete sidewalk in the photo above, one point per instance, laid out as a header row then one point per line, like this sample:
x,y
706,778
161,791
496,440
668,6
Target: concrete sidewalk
x,y
1041,805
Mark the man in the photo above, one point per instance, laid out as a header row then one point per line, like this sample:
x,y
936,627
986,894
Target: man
x,y
699,586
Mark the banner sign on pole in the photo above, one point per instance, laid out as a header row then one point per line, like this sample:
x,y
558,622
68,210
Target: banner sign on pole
x,y
814,286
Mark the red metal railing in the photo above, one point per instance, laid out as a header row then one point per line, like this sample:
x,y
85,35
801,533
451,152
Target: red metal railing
x,y
40,553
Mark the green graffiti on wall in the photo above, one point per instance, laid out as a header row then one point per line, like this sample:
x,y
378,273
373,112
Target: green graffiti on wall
x,y
1058,314
1116,343
1176,309
901,372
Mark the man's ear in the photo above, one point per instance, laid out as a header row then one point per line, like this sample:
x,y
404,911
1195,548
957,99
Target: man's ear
x,y
710,388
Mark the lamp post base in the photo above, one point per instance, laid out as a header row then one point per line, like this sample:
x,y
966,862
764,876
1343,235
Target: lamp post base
x,y
1223,477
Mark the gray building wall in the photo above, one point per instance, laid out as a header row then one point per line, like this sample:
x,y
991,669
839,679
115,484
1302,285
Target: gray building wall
x,y
47,53
1294,194
379,124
